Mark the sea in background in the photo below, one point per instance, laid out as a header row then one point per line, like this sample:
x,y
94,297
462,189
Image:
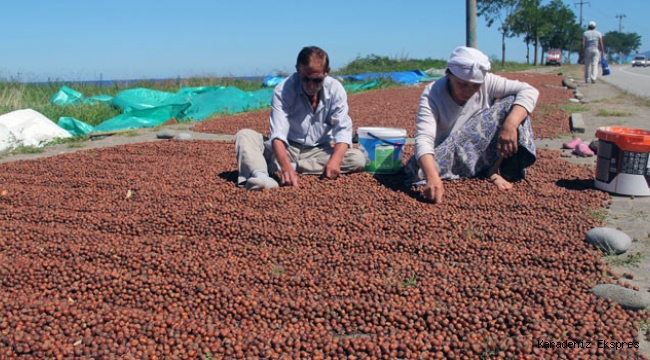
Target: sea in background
x,y
128,83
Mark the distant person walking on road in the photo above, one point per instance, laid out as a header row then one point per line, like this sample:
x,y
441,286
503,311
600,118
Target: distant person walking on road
x,y
593,50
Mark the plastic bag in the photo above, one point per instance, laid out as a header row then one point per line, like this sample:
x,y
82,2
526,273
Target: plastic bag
x,y
605,66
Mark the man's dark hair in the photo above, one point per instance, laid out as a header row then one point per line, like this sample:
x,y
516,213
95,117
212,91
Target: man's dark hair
x,y
307,52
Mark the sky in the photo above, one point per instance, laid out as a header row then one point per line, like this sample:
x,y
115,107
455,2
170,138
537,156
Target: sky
x,y
88,40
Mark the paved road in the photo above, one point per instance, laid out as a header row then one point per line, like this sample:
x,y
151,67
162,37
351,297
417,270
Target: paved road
x,y
634,80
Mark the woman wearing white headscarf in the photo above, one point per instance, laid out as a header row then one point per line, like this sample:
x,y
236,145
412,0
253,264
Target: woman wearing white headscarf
x,y
472,123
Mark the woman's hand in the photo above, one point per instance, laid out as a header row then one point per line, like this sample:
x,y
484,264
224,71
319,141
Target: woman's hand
x,y
434,190
507,142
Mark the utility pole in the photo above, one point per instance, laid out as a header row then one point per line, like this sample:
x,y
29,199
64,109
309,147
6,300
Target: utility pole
x,y
620,22
581,3
620,29
470,22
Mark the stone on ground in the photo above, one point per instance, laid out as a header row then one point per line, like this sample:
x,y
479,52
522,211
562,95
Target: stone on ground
x,y
609,240
627,298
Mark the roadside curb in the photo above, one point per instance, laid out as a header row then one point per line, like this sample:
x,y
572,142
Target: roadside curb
x,y
577,123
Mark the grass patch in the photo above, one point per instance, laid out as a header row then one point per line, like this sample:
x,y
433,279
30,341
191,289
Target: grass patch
x,y
630,260
76,145
277,270
574,107
644,325
607,113
22,149
599,214
412,281
130,133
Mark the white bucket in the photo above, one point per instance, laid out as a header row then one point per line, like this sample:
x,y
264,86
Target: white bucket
x,y
383,148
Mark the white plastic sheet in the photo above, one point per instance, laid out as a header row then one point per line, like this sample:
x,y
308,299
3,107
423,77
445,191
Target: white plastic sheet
x,y
28,127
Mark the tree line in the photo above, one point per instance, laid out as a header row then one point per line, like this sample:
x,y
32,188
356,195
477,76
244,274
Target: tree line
x,y
550,26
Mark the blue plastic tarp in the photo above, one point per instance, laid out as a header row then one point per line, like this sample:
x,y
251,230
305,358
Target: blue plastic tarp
x,y
271,81
402,77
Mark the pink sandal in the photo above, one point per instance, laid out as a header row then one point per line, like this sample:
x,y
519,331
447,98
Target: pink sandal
x,y
572,144
583,150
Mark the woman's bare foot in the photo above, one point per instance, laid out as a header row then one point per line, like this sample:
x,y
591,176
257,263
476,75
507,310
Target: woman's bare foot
x,y
501,183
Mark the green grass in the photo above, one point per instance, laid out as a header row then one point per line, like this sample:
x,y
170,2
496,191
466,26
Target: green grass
x,y
630,260
277,270
22,149
412,281
644,325
604,113
574,108
599,214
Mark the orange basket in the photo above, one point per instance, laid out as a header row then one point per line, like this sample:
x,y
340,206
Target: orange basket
x,y
627,139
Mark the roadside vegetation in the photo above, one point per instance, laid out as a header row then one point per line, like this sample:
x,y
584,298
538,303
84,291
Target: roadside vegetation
x,y
16,94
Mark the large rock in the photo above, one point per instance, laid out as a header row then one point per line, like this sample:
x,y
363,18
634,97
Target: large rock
x,y
182,136
627,298
165,134
569,83
609,240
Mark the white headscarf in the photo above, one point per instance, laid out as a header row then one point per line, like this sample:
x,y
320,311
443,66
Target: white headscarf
x,y
469,64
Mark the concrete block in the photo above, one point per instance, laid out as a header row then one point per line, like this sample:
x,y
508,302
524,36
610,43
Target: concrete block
x,y
577,123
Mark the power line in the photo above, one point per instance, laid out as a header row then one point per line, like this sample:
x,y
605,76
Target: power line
x,y
581,3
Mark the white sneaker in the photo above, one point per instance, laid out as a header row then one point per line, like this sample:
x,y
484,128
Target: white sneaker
x,y
261,183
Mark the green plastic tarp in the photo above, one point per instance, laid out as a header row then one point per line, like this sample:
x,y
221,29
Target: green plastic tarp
x,y
137,119
367,85
67,96
142,98
142,107
99,98
225,100
75,127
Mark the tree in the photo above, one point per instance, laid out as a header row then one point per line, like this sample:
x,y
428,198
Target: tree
x,y
527,21
559,29
623,43
575,44
500,10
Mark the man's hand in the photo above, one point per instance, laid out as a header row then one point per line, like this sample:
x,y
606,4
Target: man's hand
x,y
289,177
434,190
332,170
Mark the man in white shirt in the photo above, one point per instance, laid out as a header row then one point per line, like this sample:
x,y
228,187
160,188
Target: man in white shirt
x,y
311,131
593,50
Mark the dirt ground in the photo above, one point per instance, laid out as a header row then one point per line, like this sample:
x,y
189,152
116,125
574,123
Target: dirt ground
x,y
157,210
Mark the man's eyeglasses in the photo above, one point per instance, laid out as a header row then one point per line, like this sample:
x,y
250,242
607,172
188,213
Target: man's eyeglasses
x,y
315,80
